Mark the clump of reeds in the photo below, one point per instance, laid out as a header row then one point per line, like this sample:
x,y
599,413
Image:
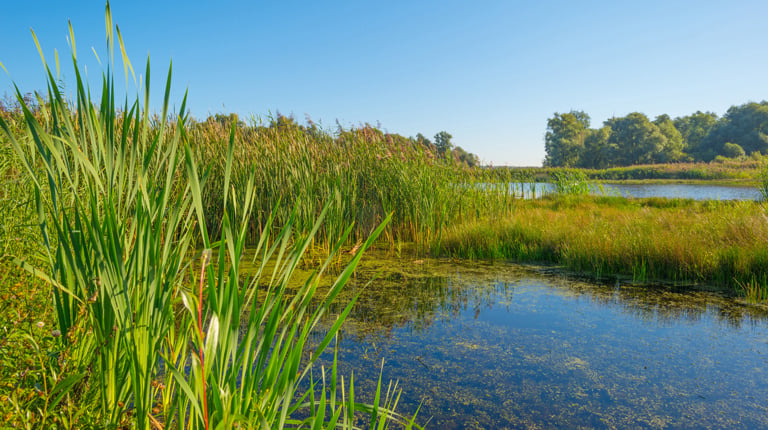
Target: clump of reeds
x,y
754,291
375,173
119,198
763,184
656,239
570,182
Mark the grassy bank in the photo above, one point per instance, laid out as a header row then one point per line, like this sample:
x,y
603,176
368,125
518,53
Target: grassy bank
x,y
741,172
683,241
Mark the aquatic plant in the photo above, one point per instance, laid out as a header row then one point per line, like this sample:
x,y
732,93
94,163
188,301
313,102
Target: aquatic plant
x,y
376,174
570,182
118,195
670,240
763,185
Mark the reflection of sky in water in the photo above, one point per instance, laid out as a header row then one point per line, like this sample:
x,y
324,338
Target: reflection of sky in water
x,y
683,191
531,350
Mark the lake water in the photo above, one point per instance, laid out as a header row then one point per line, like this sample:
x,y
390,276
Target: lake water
x,y
495,345
685,191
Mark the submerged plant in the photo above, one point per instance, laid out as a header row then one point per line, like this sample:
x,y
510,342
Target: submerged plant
x,y
119,201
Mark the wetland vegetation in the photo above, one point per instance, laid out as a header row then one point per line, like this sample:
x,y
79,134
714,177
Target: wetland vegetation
x,y
128,300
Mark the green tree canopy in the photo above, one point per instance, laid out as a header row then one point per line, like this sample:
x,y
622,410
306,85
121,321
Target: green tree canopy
x,y
732,150
597,152
694,128
673,149
565,137
635,140
745,125
443,142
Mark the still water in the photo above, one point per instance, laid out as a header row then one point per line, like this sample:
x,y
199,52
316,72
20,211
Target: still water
x,y
684,191
495,345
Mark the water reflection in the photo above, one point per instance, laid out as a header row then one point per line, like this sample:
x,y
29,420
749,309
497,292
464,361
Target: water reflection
x,y
485,345
683,191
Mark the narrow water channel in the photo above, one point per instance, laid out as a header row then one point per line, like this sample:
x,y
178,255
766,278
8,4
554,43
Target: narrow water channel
x,y
680,191
496,345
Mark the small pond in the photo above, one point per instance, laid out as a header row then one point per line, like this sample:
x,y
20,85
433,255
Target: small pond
x,y
684,191
496,345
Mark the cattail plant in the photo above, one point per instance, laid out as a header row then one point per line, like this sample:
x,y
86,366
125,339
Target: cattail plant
x,y
120,208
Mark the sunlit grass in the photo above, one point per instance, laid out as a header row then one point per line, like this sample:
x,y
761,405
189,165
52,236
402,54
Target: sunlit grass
x,y
654,239
375,174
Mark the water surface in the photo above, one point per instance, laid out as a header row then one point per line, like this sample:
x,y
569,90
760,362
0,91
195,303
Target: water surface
x,y
683,191
482,345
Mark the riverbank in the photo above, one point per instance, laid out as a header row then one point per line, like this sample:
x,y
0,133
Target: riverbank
x,y
670,240
744,172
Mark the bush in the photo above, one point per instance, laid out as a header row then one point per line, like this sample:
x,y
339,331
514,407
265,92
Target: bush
x,y
732,150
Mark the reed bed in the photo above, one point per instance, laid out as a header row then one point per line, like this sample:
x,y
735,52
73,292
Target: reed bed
x,y
365,173
683,241
118,204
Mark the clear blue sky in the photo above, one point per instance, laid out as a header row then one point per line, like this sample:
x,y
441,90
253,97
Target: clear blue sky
x,y
488,72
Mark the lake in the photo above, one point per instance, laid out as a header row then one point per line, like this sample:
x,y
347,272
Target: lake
x,y
496,345
684,191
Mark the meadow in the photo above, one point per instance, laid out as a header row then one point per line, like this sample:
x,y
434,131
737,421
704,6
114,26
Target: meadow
x,y
124,303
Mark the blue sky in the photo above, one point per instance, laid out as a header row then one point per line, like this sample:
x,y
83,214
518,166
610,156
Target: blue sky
x,y
488,72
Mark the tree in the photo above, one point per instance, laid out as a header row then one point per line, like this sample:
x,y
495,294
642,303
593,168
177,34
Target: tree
x,y
694,128
745,125
596,153
673,149
635,140
565,136
732,150
443,142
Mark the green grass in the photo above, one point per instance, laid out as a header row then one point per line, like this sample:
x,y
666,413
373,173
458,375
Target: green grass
x,y
682,241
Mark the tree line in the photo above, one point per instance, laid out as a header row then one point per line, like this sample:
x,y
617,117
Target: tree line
x,y
635,139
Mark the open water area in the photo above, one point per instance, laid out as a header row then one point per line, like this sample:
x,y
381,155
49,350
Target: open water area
x,y
499,345
682,191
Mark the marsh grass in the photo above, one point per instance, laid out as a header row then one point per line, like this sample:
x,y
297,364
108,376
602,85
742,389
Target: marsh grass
x,y
119,200
649,240
763,184
570,182
731,170
374,173
755,291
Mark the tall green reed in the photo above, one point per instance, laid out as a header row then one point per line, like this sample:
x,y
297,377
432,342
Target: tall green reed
x,y
376,174
570,182
763,184
119,199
